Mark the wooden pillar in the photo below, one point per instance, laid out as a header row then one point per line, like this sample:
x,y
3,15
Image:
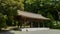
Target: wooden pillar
x,y
43,25
38,25
24,22
31,25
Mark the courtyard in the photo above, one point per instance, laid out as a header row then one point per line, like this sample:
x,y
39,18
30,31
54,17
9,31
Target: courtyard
x,y
50,31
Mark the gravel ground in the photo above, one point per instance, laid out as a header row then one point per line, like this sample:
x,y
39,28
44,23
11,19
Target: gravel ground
x,y
32,32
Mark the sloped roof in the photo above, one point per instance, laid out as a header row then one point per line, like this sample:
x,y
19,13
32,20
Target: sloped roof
x,y
31,15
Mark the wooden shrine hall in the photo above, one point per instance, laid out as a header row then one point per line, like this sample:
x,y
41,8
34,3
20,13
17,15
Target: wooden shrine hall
x,y
24,17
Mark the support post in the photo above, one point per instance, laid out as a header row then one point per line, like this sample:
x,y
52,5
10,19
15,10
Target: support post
x,y
38,25
25,22
43,24
31,24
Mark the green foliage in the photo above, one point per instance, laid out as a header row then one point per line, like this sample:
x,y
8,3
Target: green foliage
x,y
50,16
48,8
55,24
9,8
3,19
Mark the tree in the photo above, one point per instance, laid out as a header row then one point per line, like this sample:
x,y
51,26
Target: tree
x,y
48,8
3,19
10,7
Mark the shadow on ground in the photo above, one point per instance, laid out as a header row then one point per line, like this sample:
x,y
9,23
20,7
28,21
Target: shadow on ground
x,y
6,32
16,29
